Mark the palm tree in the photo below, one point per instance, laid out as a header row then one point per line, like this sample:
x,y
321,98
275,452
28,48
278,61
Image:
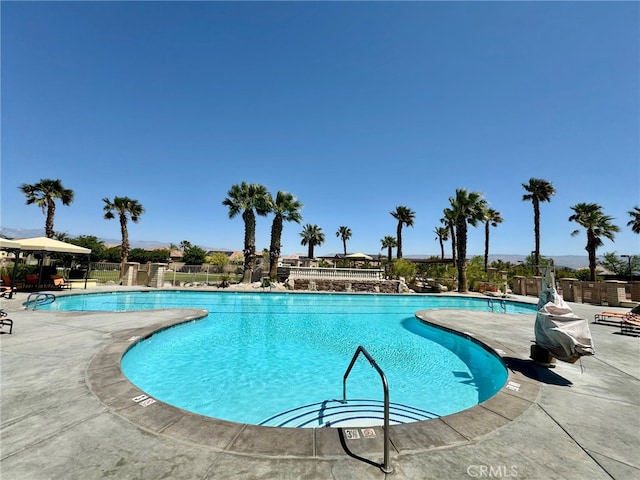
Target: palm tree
x,y
245,198
467,208
591,217
492,219
389,243
311,235
539,191
44,194
405,216
285,208
442,235
345,234
126,209
62,236
449,223
634,223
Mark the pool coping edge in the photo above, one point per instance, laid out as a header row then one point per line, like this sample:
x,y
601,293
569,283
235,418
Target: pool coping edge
x,y
106,381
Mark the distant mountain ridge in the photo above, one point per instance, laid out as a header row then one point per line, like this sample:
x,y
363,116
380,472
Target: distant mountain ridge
x,y
569,261
37,232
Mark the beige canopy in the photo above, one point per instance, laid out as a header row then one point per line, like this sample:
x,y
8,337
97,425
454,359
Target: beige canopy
x,y
6,244
44,244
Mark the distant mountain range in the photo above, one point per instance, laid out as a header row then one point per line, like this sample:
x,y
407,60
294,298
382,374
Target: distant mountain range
x,y
37,232
569,261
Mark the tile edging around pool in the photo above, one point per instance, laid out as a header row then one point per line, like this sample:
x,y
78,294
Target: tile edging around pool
x,y
106,381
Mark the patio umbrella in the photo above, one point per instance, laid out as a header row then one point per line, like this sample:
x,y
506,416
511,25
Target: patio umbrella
x,y
558,330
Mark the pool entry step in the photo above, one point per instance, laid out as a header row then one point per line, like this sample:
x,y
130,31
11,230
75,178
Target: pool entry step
x,y
349,413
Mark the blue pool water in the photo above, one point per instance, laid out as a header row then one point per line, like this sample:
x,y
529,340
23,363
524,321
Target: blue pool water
x,y
259,354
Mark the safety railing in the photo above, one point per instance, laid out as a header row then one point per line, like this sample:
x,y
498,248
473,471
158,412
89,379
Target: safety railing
x,y
336,273
385,467
39,298
502,305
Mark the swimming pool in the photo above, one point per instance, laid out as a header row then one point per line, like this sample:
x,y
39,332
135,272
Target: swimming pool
x,y
279,359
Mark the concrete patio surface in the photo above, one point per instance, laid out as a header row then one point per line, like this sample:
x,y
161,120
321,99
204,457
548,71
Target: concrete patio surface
x,y
68,413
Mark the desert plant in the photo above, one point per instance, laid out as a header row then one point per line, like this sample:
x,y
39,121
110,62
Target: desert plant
x,y
403,268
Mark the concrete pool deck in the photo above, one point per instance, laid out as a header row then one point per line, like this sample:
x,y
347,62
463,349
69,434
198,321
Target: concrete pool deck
x,y
66,412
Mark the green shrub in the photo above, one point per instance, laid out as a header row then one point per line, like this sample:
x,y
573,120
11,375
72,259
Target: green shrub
x,y
403,268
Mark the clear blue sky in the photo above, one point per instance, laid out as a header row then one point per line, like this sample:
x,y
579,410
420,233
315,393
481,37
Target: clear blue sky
x,y
356,108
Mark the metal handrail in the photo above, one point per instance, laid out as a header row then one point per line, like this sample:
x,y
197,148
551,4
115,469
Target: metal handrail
x,y
385,467
40,298
503,305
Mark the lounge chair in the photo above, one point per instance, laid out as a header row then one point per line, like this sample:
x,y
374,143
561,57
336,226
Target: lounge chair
x,y
610,318
615,318
7,291
31,280
5,321
6,282
630,325
59,283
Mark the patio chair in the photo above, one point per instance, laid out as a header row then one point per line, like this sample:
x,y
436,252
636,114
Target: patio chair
x,y
609,318
7,291
59,283
630,324
6,282
5,321
31,280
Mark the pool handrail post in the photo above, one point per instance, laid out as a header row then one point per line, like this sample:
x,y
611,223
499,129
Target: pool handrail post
x,y
385,467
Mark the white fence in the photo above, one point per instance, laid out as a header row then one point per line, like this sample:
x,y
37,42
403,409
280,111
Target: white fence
x,y
335,273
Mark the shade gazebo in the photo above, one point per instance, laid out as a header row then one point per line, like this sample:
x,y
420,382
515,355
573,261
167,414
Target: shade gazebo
x,y
45,245
358,256
11,246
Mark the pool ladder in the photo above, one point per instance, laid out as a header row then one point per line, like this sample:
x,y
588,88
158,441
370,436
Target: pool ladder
x,y
491,305
39,298
385,467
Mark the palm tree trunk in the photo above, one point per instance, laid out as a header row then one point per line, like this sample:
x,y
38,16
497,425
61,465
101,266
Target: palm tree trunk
x,y
249,245
399,246
486,246
124,249
51,213
591,251
461,237
536,231
274,249
453,242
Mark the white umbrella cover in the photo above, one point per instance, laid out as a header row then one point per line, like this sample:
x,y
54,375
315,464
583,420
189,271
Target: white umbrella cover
x,y
566,336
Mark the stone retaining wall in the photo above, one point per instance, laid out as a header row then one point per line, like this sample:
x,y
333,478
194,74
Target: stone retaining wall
x,y
352,286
